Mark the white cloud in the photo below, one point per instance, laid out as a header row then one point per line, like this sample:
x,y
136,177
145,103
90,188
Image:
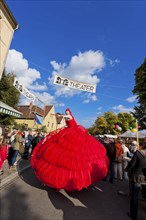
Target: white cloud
x,y
82,67
56,65
132,98
90,98
46,98
99,108
86,101
17,64
121,108
24,101
38,87
113,62
65,91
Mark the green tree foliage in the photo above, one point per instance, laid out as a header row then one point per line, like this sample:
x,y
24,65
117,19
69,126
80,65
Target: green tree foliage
x,y
100,125
106,124
140,115
126,121
8,95
140,90
111,119
140,84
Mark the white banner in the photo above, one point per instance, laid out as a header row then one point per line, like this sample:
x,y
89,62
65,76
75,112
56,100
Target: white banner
x,y
23,90
59,80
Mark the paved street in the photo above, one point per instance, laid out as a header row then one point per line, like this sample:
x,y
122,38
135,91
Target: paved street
x,y
26,198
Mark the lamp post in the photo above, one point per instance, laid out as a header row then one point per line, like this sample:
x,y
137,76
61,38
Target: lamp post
x,y
137,137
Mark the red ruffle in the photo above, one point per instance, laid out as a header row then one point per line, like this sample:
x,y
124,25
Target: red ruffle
x,y
70,159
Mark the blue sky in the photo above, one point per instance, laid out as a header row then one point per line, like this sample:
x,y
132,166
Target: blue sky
x,y
97,42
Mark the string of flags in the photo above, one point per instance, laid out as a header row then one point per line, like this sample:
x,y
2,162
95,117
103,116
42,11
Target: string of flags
x,y
23,90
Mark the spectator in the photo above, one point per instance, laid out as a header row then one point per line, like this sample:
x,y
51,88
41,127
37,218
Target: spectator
x,y
118,173
10,150
6,136
28,141
133,148
136,167
144,142
111,154
36,140
18,142
126,159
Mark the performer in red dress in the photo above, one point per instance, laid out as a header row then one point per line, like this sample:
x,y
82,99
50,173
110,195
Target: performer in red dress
x,y
69,158
3,154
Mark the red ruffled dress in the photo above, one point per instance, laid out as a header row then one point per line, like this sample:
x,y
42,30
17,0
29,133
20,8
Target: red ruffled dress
x,y
70,159
3,154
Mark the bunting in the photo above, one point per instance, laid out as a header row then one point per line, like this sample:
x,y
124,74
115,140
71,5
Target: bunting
x,y
74,84
23,90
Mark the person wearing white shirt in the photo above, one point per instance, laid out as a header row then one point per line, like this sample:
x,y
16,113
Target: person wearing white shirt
x,y
126,159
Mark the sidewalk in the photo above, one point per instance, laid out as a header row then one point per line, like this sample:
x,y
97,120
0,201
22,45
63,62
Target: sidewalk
x,y
11,174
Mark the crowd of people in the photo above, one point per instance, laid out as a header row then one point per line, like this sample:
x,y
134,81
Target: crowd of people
x,y
119,155
14,142
71,159
128,162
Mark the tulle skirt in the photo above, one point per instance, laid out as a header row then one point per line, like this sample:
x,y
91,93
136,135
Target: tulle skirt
x,y
3,154
70,159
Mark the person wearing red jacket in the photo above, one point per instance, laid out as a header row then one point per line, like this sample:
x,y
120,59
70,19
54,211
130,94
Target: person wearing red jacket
x,y
118,172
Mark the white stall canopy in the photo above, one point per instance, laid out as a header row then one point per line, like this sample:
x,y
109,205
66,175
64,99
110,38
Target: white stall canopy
x,y
6,109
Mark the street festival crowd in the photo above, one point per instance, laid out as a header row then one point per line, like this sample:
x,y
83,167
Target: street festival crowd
x,y
119,159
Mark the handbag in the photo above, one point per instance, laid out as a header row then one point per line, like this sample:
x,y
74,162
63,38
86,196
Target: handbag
x,y
118,159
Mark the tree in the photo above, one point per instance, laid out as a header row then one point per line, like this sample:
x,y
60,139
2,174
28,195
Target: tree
x,y
140,115
140,84
106,124
100,125
111,119
126,121
8,95
140,91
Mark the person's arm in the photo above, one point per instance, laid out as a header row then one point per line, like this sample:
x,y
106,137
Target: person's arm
x,y
132,162
67,116
128,153
64,116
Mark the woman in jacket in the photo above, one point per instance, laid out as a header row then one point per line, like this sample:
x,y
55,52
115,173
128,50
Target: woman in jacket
x,y
18,142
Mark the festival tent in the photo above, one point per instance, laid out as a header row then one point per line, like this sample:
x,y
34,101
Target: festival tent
x,y
110,136
6,109
142,133
130,134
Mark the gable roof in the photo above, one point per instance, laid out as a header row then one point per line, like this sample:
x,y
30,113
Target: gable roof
x,y
28,111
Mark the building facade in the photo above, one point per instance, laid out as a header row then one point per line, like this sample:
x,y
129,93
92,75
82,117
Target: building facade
x,y
8,25
32,113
